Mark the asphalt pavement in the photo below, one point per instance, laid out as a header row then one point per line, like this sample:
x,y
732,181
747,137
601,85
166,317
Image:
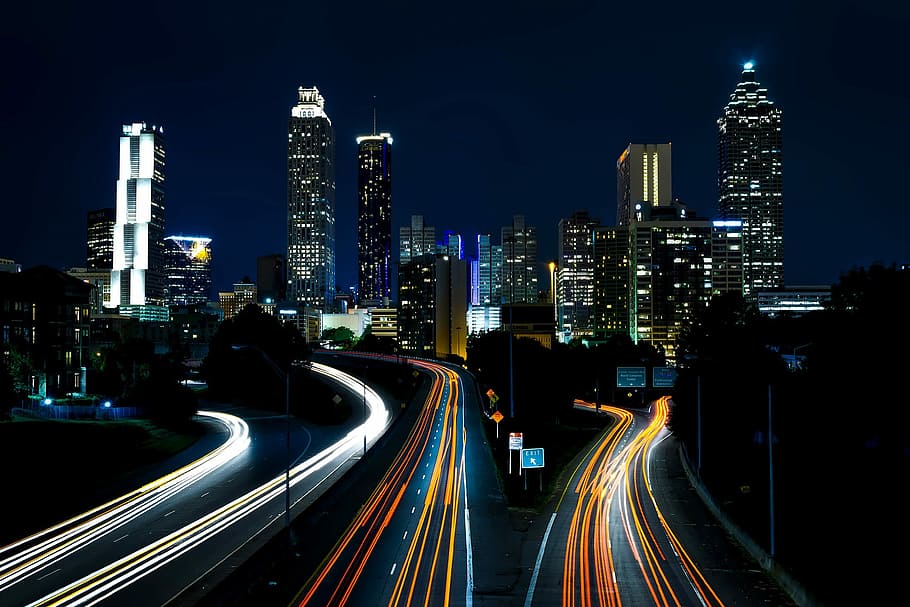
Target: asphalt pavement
x,y
507,541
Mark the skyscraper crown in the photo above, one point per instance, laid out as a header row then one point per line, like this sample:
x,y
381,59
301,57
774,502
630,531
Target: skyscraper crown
x,y
749,91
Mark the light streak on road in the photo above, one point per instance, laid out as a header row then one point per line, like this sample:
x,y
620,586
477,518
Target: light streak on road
x,y
424,574
23,557
614,487
107,581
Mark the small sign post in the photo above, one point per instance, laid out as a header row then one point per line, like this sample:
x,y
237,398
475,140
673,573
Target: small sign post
x,y
532,458
497,417
516,439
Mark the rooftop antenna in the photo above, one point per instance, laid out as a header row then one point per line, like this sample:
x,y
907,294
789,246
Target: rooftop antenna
x,y
374,114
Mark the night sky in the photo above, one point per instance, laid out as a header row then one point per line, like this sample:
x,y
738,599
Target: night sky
x,y
494,111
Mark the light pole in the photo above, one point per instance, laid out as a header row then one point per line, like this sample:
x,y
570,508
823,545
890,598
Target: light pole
x,y
770,475
365,411
511,305
552,266
286,375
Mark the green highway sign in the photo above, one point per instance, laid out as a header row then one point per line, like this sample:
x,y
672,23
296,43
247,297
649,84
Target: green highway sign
x,y
631,377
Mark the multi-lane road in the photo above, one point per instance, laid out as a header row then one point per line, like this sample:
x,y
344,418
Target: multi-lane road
x,y
148,545
619,533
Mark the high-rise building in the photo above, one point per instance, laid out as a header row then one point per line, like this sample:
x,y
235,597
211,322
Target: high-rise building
x,y
416,239
311,203
575,276
188,266
451,245
137,277
727,256
672,278
750,183
99,250
486,273
519,267
432,308
643,177
612,281
374,216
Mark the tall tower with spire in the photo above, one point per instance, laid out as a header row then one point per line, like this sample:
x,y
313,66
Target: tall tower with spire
x,y
311,203
750,181
374,216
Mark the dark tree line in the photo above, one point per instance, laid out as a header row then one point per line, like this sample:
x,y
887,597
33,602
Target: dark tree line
x,y
839,423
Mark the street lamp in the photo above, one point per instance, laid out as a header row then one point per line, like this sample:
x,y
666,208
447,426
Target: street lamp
x,y
552,266
287,427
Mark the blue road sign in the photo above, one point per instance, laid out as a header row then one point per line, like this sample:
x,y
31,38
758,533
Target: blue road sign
x,y
664,377
532,458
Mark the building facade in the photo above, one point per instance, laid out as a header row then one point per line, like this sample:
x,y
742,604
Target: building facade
x,y
486,273
311,203
519,267
612,281
415,240
672,278
750,181
432,308
137,276
232,302
99,250
643,177
374,217
727,256
188,267
575,276
46,315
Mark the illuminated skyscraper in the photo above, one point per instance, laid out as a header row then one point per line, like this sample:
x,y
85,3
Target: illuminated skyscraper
x,y
671,282
137,279
486,283
311,203
99,251
750,183
188,267
416,240
643,177
575,276
374,216
613,281
519,268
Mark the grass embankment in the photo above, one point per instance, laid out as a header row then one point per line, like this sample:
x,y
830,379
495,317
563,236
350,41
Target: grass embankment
x,y
52,470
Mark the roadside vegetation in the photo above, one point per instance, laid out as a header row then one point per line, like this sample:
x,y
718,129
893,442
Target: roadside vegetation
x,y
839,424
55,469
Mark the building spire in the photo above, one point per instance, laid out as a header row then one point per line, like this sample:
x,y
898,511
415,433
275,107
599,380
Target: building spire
x,y
374,114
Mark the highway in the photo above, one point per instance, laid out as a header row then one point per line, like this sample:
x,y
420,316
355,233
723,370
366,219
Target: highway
x,y
145,547
409,543
608,543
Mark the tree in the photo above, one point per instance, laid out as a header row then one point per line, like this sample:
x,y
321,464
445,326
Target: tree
x,y
7,389
225,365
340,337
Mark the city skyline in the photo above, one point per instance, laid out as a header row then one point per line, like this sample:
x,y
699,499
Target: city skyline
x,y
515,113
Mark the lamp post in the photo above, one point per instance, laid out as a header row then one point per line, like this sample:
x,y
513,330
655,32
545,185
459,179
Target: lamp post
x,y
770,477
286,375
552,266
